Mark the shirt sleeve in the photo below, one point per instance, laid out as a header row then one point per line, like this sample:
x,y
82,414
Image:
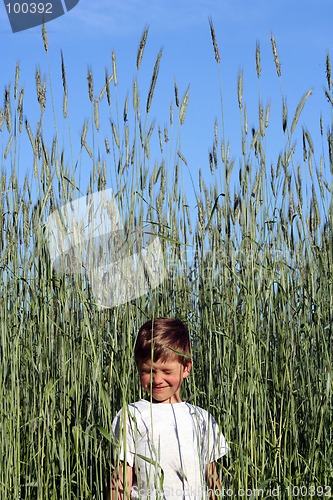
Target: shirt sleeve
x,y
217,444
124,436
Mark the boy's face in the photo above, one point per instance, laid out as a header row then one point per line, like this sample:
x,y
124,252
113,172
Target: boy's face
x,y
162,379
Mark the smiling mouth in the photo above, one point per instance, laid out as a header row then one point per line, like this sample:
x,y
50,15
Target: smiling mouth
x,y
158,388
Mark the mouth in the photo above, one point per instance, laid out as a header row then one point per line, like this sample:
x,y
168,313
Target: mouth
x,y
158,388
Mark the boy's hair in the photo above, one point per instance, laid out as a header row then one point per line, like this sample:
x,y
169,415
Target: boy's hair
x,y
163,339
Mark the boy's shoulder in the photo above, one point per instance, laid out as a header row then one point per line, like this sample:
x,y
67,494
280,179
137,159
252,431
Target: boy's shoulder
x,y
200,413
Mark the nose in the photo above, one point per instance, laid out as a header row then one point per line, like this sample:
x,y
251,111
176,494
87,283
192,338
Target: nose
x,y
157,378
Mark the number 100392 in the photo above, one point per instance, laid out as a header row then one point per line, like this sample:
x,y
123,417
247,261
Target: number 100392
x,y
29,8
309,491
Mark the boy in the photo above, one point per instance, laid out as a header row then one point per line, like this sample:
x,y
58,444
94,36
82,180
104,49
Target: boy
x,y
168,447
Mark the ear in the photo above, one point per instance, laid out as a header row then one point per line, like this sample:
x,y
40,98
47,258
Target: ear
x,y
187,369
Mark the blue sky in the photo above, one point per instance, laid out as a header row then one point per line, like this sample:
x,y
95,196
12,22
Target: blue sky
x,y
88,34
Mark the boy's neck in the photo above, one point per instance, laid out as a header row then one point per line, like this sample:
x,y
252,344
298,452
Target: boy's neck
x,y
171,401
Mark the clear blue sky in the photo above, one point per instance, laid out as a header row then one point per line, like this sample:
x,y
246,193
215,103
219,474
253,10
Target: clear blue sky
x,y
88,34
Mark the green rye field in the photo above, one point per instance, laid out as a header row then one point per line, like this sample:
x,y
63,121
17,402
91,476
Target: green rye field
x,y
249,269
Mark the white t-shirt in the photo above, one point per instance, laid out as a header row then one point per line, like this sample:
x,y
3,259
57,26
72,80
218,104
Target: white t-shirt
x,y
169,446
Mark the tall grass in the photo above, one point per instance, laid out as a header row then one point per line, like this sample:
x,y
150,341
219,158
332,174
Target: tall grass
x,y
249,268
